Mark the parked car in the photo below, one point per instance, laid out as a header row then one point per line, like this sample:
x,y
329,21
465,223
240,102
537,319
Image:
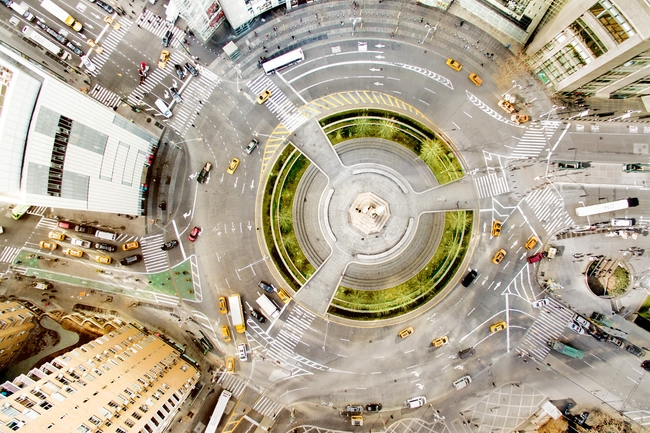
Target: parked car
x,y
615,341
373,407
74,49
106,7
577,328
536,257
83,229
283,295
191,69
169,245
354,408
646,365
634,350
65,225
194,234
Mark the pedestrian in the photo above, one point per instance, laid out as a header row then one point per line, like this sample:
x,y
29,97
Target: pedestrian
x,y
462,22
421,20
466,46
200,102
481,64
293,37
342,23
309,32
255,33
278,47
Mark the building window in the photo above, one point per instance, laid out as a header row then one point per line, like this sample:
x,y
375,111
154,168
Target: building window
x,y
136,415
120,430
589,38
84,429
129,422
610,17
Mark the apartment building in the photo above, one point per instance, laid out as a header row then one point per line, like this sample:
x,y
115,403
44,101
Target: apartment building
x,y
595,48
16,322
125,381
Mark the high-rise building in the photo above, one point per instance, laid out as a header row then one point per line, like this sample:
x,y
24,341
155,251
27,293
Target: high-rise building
x,y
16,322
597,48
125,381
63,149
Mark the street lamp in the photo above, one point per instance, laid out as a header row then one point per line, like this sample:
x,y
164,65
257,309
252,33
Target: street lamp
x,y
548,115
175,144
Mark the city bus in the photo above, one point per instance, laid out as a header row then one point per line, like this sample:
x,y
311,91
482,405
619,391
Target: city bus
x,y
219,409
283,61
607,207
19,210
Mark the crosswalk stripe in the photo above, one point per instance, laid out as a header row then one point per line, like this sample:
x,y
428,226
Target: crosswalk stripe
x,y
9,254
112,39
48,223
158,26
155,259
105,96
550,324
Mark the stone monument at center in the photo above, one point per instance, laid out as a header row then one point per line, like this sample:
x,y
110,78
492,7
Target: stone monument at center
x,y
368,213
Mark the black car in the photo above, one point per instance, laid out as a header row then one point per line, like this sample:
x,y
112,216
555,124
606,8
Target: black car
x,y
373,407
265,286
191,69
469,278
59,37
466,353
645,365
83,229
169,245
74,49
41,24
634,350
105,247
107,8
179,71
131,260
167,38
258,316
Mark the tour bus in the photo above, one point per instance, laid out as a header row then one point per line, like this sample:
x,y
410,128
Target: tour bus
x,y
283,61
607,207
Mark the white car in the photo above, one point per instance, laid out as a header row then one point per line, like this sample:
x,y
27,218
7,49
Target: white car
x,y
88,64
243,355
415,402
540,303
577,328
80,243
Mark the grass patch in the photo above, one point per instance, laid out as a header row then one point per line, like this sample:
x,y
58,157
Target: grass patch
x,y
644,311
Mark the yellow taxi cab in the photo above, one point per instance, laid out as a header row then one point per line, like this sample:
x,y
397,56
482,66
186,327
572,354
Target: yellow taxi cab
x,y
283,295
95,46
230,364
233,166
499,256
475,79
111,22
74,253
104,259
453,64
406,332
130,246
225,330
223,307
439,342
496,228
520,118
498,327
164,57
531,242
48,245
263,96
56,236
507,106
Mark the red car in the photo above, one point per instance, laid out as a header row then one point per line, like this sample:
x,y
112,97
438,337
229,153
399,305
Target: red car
x,y
194,234
537,257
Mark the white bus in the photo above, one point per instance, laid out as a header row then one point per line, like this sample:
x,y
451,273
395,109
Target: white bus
x,y
283,61
236,313
218,411
607,207
269,308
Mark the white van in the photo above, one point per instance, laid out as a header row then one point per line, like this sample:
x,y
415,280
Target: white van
x,y
22,11
623,222
106,235
462,382
164,108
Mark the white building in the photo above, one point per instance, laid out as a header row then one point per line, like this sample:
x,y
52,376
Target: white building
x,y
597,48
62,148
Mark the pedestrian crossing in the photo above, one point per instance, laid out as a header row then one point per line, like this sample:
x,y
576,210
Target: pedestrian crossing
x,y
535,138
154,78
48,223
548,207
278,103
298,321
166,299
550,324
105,96
197,90
267,407
8,254
155,259
492,184
158,26
232,383
37,210
111,40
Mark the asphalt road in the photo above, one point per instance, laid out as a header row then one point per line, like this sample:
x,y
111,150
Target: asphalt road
x,y
312,360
